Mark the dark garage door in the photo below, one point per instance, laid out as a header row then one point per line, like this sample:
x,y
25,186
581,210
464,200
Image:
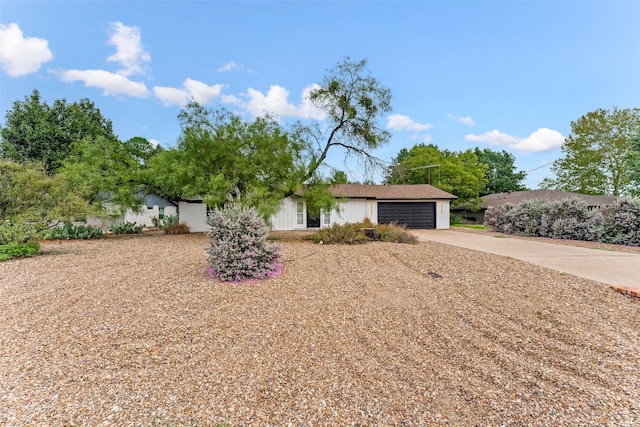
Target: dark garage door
x,y
413,215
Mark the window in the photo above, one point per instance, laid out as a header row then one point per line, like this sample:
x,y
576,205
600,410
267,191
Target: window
x,y
326,218
300,214
160,213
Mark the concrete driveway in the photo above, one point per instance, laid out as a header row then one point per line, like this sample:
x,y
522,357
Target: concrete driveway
x,y
609,267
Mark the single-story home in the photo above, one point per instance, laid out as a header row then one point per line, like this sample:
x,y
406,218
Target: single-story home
x,y
416,206
517,197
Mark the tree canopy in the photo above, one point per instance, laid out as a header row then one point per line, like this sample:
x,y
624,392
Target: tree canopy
x,y
220,158
598,154
36,131
501,172
459,173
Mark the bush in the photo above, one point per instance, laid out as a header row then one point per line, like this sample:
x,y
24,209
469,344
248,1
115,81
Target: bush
x,y
165,222
239,250
72,232
621,223
351,233
18,250
177,229
126,228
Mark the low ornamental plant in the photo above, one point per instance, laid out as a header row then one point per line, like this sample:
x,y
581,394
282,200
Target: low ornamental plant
x,y
18,250
239,250
72,232
355,233
126,228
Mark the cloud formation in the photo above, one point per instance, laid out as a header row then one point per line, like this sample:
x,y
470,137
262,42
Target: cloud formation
x,y
543,139
232,66
130,53
401,122
191,90
276,102
20,56
468,121
110,83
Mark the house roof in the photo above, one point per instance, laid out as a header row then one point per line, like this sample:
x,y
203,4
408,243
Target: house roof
x,y
517,197
389,192
154,200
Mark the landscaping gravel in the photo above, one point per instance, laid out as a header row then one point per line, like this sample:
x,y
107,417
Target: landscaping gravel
x,y
131,331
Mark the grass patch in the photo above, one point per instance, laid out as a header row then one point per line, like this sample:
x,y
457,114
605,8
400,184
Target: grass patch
x,y
474,226
501,236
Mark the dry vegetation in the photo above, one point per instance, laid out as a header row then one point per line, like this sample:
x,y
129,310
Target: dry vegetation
x,y
131,331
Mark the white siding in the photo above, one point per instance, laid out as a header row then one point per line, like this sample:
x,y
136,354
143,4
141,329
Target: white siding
x,y
144,216
285,218
194,215
354,210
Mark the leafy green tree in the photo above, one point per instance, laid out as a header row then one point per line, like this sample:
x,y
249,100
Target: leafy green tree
x,y
598,153
352,100
459,173
107,170
31,201
501,171
221,158
633,160
339,177
36,131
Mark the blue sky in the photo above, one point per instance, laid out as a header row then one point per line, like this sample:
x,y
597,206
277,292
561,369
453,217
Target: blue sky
x,y
506,75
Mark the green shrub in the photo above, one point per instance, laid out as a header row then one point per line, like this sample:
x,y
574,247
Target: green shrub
x,y
358,233
239,250
166,222
18,250
73,232
126,228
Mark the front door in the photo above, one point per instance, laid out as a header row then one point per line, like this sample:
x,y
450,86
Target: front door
x,y
313,222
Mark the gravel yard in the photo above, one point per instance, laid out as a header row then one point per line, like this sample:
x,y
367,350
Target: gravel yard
x,y
131,331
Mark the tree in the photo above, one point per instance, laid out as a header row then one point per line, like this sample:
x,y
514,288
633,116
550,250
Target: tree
x,y
107,170
221,158
35,131
459,173
633,160
352,100
597,154
339,177
31,201
501,175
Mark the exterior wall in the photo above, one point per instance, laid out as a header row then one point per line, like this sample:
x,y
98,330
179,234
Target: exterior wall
x,y
443,219
194,215
355,210
285,218
144,216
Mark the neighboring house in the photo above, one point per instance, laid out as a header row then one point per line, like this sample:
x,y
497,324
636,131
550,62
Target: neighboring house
x,y
416,206
517,197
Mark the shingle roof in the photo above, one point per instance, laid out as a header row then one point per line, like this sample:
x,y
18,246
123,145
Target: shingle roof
x,y
390,192
516,197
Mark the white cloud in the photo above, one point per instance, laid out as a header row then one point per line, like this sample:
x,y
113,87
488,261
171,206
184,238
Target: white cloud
x,y
276,102
465,121
495,137
130,53
154,142
171,95
233,66
540,140
543,139
401,122
191,90
20,56
110,83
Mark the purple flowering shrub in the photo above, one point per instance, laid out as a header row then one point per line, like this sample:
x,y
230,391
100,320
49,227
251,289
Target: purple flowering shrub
x,y
569,219
239,250
621,223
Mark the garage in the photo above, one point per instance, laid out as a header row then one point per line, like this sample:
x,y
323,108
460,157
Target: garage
x,y
415,215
